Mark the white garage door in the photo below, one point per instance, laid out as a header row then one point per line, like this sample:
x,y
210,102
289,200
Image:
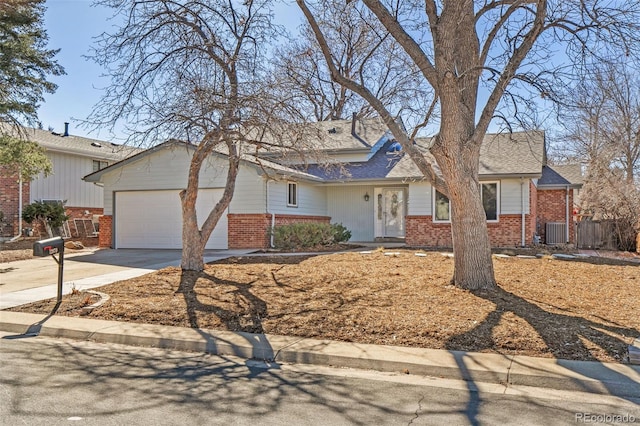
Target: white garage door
x,y
153,219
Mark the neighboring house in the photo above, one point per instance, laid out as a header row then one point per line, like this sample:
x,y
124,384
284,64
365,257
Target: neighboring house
x,y
369,186
72,158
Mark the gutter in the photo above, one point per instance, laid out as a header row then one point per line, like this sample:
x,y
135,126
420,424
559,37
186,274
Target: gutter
x,y
523,238
567,217
19,208
273,215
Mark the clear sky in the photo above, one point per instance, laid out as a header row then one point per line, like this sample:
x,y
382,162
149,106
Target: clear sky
x,y
71,26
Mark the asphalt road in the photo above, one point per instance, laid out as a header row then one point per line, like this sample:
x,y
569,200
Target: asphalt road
x,y
46,381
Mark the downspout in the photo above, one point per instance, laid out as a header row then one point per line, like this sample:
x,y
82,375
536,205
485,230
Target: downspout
x,y
273,215
567,217
19,207
523,238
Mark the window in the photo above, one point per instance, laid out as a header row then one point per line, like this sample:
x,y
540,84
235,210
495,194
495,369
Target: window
x,y
441,203
99,165
488,194
292,194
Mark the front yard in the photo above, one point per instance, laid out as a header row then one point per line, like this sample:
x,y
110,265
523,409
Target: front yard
x,y
543,307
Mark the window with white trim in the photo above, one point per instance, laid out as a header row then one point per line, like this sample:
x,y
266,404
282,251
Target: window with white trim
x,y
489,194
441,211
292,194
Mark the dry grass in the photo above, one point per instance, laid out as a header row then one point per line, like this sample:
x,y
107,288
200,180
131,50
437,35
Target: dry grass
x,y
543,307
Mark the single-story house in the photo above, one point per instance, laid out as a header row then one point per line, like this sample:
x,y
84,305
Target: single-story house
x,y
72,157
370,187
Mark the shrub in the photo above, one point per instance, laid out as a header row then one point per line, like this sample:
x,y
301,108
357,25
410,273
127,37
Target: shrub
x,y
305,235
51,215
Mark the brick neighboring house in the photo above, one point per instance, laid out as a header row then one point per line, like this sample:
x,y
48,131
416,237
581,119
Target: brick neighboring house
x,y
368,185
72,158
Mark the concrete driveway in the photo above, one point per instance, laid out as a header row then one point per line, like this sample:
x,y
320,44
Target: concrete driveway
x,y
36,279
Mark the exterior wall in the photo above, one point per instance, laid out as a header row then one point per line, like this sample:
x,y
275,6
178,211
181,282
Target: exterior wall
x,y
533,217
65,183
507,232
421,197
252,230
422,231
420,200
9,194
346,205
165,169
104,238
312,199
552,208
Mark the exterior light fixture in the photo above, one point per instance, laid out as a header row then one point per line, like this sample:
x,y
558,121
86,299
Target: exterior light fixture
x,y
366,196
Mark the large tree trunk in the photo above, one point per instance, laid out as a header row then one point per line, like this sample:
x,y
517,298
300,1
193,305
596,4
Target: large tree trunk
x,y
471,247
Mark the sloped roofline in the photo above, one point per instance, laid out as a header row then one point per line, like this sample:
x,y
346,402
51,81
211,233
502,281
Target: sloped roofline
x,y
258,164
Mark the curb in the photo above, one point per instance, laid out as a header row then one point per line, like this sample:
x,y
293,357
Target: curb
x,y
509,370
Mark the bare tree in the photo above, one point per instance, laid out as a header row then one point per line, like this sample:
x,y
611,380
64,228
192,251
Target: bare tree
x,y
602,119
190,70
474,54
363,51
602,122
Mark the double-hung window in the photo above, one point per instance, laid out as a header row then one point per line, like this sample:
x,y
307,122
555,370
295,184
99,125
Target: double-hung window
x,y
489,194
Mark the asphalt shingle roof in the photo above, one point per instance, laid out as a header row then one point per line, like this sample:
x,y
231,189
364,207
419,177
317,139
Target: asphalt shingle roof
x,y
501,154
79,145
563,175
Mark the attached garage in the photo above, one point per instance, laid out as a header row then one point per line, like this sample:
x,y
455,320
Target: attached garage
x,y
153,219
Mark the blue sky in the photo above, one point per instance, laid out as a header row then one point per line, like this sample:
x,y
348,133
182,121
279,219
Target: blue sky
x,y
71,25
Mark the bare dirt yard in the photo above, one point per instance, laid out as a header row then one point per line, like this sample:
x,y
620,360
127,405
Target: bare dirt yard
x,y
585,309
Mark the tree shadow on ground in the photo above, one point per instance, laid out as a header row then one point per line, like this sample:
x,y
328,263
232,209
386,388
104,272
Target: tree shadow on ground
x,y
241,291
565,336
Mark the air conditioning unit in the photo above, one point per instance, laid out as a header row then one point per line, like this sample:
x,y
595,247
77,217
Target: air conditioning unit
x,y
555,233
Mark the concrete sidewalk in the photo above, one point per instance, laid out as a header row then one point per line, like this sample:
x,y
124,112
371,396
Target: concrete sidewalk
x,y
36,279
593,377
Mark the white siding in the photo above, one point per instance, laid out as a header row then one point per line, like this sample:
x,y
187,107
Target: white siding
x,y
312,200
163,170
419,199
66,182
346,205
249,195
511,196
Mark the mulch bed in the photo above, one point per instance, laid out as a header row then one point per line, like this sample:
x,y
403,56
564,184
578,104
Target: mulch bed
x,y
586,309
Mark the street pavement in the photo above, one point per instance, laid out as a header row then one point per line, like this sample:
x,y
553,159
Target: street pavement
x,y
595,378
46,381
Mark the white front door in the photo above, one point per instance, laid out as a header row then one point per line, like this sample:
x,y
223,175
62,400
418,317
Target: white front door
x,y
393,212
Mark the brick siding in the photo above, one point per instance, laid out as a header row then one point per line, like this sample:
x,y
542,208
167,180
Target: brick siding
x,y
104,238
252,230
9,194
422,231
551,208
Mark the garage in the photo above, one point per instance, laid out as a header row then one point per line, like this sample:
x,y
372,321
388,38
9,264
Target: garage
x,y
153,219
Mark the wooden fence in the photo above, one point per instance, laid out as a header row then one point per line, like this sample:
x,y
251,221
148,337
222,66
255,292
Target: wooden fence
x,y
595,234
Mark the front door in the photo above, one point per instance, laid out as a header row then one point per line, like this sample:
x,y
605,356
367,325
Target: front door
x,y
393,212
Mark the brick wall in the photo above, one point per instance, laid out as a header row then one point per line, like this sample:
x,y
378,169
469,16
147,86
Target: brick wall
x,y
104,238
552,208
422,231
252,230
9,201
